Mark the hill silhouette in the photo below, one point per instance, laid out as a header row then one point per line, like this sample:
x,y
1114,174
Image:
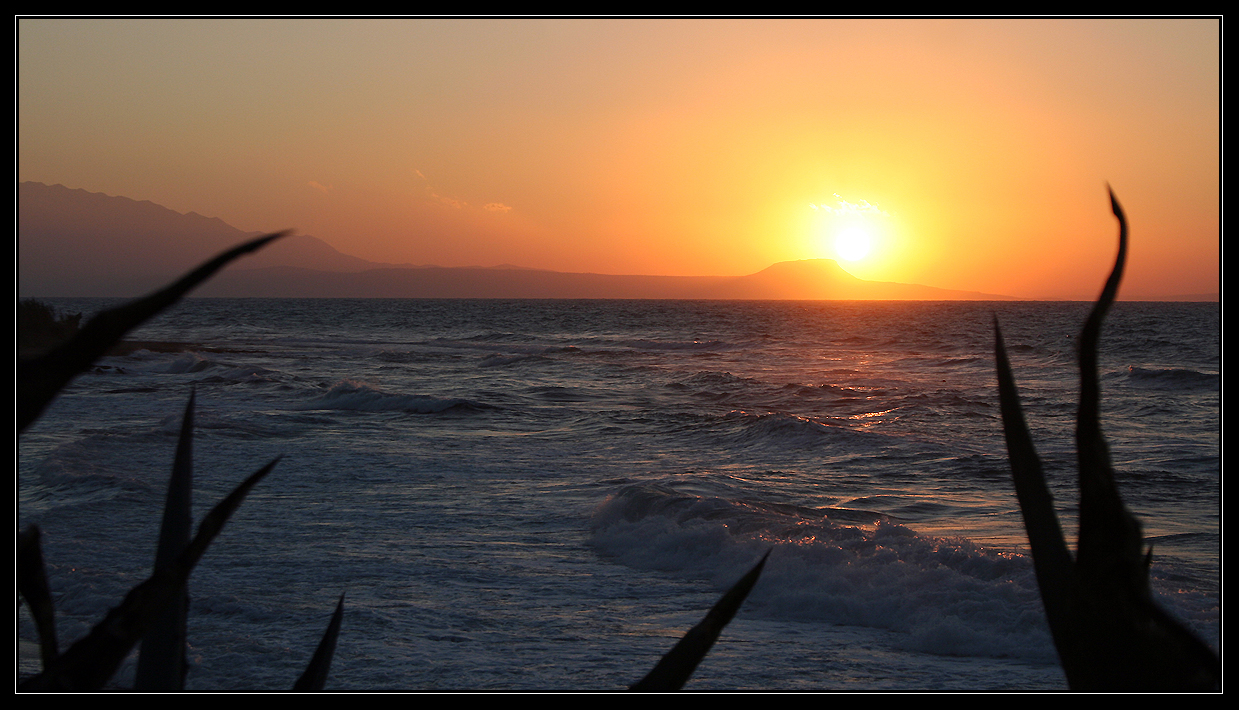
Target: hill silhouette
x,y
79,243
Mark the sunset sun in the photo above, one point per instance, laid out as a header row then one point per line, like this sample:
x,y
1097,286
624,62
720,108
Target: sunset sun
x,y
853,243
850,231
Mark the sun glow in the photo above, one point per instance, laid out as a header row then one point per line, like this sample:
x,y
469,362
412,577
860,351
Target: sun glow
x,y
853,243
851,232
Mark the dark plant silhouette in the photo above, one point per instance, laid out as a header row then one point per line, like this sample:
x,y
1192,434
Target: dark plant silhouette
x,y
675,668
155,609
154,612
39,326
315,675
1109,632
40,378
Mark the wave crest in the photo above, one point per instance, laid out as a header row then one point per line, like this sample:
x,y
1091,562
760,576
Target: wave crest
x,y
835,565
363,397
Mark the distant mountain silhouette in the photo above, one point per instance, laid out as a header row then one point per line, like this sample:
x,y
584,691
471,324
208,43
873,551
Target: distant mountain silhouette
x,y
74,242
805,280
79,243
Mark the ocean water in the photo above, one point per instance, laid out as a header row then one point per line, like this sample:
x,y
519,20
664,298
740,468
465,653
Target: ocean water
x,y
545,495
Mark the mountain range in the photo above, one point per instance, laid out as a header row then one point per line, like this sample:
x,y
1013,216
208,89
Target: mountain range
x,y
78,243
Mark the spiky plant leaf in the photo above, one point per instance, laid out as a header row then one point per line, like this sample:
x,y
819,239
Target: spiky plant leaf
x,y
675,668
39,379
90,662
32,584
1052,560
315,675
161,657
1109,632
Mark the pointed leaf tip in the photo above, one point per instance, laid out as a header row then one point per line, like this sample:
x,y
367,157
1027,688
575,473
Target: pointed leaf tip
x,y
315,675
1114,204
675,668
41,378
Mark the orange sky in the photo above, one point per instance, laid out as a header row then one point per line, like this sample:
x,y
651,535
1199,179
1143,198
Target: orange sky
x,y
974,152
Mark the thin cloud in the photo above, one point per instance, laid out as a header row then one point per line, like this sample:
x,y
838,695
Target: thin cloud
x,y
320,187
436,197
449,201
454,202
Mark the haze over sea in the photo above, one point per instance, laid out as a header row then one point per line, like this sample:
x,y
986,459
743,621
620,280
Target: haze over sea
x,y
546,494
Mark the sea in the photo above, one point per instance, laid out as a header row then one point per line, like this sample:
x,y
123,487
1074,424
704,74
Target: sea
x,y
544,495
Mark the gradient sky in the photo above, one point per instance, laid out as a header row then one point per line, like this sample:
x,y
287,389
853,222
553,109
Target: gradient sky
x,y
975,153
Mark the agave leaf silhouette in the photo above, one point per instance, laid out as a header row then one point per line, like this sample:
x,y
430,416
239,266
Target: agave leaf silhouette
x,y
32,585
159,603
1109,632
675,668
156,610
90,662
161,658
39,379
315,675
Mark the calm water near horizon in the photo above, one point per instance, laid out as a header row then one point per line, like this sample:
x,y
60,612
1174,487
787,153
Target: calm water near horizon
x,y
545,495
